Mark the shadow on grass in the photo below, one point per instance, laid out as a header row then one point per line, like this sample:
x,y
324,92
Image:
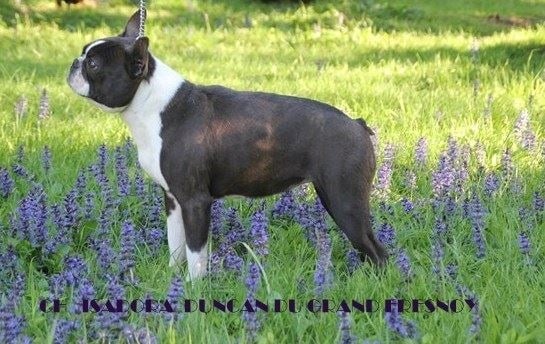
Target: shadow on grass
x,y
426,16
521,57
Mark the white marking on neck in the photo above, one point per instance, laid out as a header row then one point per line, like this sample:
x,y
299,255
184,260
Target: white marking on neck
x,y
176,233
143,117
197,262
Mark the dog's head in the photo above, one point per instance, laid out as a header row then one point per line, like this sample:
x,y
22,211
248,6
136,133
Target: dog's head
x,y
109,70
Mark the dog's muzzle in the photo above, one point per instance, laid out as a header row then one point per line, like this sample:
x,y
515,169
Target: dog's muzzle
x,y
76,80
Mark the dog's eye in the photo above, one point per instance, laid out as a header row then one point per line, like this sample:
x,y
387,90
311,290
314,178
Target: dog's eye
x,y
92,64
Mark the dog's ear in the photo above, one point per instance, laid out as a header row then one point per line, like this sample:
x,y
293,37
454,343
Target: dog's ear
x,y
139,58
132,29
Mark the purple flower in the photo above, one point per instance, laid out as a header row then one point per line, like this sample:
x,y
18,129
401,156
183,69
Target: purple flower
x,y
440,228
123,185
84,291
21,171
104,185
128,248
233,261
217,213
81,183
154,238
250,319
344,328
138,183
443,178
400,327
437,256
408,206
57,285
175,293
75,270
507,166
11,325
107,321
353,260
538,202
236,232
491,184
477,213
258,230
404,264
62,330
476,320
386,235
46,159
105,254
102,155
89,205
285,206
524,244
6,183
71,209
421,152
322,274
154,211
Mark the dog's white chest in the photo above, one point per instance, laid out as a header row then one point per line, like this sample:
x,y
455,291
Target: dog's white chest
x,y
143,117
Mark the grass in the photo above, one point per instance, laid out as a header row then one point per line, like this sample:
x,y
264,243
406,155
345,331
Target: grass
x,y
406,67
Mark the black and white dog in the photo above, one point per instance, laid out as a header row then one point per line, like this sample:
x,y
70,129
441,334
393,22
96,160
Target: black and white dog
x,y
206,142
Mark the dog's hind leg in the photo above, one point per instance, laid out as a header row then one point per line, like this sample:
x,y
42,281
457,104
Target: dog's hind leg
x,y
347,201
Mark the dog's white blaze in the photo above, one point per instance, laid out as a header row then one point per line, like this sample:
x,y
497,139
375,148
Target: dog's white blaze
x,y
176,233
197,262
143,117
91,46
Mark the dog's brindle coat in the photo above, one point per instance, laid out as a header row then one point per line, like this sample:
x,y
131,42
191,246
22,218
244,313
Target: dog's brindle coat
x,y
206,142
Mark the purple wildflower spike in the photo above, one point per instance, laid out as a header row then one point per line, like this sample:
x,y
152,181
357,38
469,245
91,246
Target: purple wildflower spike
x,y
491,184
421,152
285,206
62,330
386,235
84,291
139,186
236,232
260,236
408,206
123,186
400,327
538,202
57,285
128,248
232,261
75,270
323,275
477,215
344,327
250,319
476,320
507,165
46,159
404,264
6,183
353,260
217,213
174,295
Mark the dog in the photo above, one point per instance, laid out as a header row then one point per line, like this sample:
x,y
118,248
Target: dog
x,y
200,143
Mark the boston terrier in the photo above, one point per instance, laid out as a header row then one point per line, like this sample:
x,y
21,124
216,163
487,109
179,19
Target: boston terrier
x,y
205,142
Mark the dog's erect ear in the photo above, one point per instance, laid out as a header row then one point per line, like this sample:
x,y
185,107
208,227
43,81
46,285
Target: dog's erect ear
x,y
133,25
139,58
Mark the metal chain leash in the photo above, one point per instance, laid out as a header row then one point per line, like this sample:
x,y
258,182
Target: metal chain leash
x,y
142,18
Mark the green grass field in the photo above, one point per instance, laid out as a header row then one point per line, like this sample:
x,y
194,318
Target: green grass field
x,y
464,70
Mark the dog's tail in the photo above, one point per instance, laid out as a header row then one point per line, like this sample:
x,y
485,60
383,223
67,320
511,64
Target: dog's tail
x,y
364,125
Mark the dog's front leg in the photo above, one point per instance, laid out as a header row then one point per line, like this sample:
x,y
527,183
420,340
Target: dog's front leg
x,y
196,215
175,230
